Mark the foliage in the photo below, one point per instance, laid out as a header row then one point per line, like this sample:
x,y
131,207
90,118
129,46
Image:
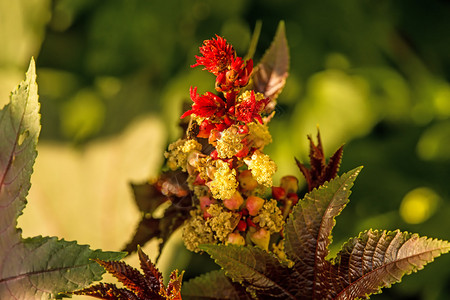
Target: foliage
x,y
138,286
368,73
365,264
236,222
36,267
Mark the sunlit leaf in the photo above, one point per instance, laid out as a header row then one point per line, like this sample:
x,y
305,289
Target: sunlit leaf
x,y
308,233
379,258
41,266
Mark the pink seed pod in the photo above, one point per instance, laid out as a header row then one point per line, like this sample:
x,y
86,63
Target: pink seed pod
x,y
234,202
261,238
246,180
236,239
254,204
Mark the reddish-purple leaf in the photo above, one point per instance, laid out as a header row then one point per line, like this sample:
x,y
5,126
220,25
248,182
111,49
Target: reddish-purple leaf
x,y
107,291
319,171
377,259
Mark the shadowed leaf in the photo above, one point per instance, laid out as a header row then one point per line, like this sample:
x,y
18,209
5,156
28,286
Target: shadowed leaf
x,y
38,267
269,76
170,187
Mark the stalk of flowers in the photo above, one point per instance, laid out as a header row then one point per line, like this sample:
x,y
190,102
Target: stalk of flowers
x,y
229,174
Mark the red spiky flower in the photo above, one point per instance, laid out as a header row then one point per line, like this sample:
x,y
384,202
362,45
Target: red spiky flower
x,y
217,55
250,109
207,105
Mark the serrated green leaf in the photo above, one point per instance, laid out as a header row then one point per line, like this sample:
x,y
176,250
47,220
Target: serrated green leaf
x,y
308,231
42,266
259,271
377,259
269,76
214,285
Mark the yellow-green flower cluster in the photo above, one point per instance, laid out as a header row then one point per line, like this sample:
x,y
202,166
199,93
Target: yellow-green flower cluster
x,y
262,168
224,183
216,228
196,233
270,217
222,222
178,152
259,135
229,143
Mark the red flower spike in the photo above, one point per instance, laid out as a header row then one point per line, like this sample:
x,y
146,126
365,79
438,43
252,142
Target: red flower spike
x,y
250,109
217,55
242,72
206,105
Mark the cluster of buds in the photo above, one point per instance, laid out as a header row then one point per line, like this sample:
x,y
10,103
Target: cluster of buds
x,y
229,174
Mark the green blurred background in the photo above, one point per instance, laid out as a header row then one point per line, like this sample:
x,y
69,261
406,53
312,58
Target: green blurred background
x,y
113,75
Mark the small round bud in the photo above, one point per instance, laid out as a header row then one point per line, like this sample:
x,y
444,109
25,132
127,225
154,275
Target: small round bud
x,y
234,202
235,238
254,204
246,180
260,238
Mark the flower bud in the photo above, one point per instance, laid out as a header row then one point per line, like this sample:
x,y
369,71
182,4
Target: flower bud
x,y
234,202
289,184
261,238
278,192
235,238
246,180
242,225
205,202
254,204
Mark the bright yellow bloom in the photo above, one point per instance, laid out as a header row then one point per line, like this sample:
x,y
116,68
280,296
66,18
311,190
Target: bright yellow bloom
x,y
259,135
230,143
195,232
224,183
178,152
270,216
262,168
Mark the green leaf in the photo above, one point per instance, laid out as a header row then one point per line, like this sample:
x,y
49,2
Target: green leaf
x,y
377,259
41,266
214,285
308,231
269,76
259,271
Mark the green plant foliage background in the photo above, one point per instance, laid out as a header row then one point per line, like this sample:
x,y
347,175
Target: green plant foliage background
x,y
373,74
